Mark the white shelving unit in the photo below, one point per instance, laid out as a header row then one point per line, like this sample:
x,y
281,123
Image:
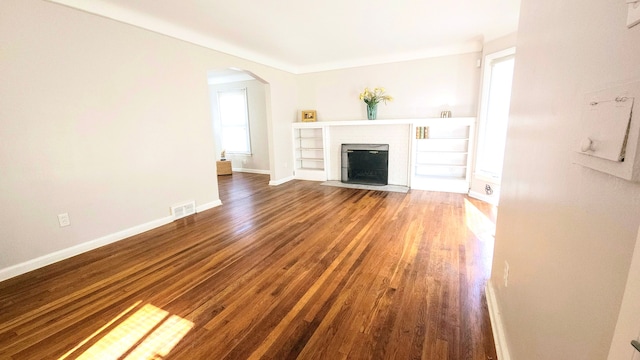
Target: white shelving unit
x,y
309,151
441,161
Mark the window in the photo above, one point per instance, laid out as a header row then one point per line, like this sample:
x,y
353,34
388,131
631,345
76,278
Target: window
x,y
495,114
234,121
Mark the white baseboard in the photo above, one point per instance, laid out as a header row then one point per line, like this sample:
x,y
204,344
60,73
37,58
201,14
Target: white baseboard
x,y
59,255
208,206
281,181
489,199
441,185
252,171
502,349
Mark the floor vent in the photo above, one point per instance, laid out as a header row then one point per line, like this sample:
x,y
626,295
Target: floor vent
x,y
182,210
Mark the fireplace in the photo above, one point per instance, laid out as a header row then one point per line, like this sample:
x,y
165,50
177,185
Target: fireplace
x,y
365,164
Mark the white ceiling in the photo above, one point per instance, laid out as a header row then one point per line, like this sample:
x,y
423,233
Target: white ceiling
x,y
312,35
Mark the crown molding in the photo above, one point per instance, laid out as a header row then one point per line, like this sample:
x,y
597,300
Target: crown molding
x,y
151,23
456,49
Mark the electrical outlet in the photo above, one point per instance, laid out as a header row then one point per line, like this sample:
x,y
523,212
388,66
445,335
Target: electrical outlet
x,y
64,220
505,274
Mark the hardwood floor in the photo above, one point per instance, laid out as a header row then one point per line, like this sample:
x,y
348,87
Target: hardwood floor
x,y
298,270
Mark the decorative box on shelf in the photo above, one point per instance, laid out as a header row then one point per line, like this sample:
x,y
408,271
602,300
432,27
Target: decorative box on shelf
x,y
224,167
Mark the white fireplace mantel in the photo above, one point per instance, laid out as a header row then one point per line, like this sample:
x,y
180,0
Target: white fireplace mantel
x,y
358,122
440,162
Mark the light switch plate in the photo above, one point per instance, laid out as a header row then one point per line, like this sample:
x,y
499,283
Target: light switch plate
x,y
633,14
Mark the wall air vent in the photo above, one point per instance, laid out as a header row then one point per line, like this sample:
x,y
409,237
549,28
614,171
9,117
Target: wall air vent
x,y
184,209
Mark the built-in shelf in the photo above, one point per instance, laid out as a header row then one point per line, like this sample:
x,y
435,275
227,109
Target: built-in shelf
x,y
437,159
441,155
309,152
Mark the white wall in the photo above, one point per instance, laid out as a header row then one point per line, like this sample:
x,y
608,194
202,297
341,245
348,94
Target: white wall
x,y
421,88
258,161
109,123
567,232
499,44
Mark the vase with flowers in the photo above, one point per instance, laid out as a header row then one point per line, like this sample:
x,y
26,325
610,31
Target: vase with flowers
x,y
372,98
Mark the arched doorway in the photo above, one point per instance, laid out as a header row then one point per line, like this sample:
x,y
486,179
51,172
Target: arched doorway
x,y
240,115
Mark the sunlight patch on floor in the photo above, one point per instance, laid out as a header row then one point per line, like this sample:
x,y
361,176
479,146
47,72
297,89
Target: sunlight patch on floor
x,y
484,230
478,222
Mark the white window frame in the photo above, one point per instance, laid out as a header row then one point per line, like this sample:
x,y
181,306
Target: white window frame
x,y
244,125
482,128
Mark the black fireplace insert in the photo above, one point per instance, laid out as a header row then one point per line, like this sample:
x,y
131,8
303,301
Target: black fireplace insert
x,y
366,164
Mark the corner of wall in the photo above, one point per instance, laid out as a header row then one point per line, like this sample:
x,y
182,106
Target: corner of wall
x,y
280,181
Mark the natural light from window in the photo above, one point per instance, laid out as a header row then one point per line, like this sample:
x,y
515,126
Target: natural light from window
x,y
484,230
493,125
148,333
234,121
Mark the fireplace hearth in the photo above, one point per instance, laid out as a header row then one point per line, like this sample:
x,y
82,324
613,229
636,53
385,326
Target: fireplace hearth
x,y
366,164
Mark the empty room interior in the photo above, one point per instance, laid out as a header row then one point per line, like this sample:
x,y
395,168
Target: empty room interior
x,y
320,180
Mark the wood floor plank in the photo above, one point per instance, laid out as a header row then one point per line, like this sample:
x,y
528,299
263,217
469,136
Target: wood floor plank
x,y
295,271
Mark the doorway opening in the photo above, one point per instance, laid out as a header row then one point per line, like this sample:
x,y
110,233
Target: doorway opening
x,y
240,118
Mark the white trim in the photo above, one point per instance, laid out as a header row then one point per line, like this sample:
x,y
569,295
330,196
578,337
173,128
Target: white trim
x,y
443,185
468,47
59,255
489,199
230,76
433,121
208,206
502,349
252,171
281,181
483,98
312,175
149,22
160,26
48,259
487,178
